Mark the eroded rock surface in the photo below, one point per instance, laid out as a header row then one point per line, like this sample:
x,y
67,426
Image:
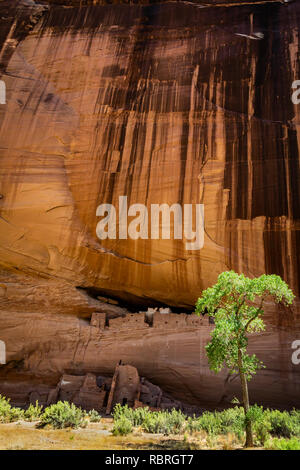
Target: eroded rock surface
x,y
171,354
165,103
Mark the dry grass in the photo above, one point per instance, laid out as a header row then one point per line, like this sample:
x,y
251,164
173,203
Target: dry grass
x,y
97,436
24,436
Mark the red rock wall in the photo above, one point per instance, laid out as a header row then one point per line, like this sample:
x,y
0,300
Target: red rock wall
x,y
42,347
164,103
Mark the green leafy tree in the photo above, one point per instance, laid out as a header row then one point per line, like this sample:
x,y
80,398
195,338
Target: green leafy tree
x,y
236,303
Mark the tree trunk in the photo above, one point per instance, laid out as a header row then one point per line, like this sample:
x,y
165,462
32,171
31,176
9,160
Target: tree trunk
x,y
249,434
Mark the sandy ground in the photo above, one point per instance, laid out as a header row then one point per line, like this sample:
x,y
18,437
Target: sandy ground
x,y
25,435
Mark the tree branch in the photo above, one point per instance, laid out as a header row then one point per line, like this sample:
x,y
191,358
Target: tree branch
x,y
255,316
241,304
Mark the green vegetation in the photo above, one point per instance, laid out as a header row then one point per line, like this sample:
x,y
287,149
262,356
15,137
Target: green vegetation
x,y
153,422
283,444
62,415
272,429
265,423
219,422
8,413
236,304
122,426
94,416
283,423
164,422
33,412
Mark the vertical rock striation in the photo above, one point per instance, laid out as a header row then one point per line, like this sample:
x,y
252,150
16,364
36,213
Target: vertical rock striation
x,y
164,103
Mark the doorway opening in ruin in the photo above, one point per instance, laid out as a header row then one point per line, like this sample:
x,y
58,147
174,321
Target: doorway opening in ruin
x,y
149,320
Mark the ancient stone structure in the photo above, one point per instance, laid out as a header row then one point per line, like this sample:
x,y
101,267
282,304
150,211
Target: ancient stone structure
x,y
91,392
125,388
170,354
168,102
81,390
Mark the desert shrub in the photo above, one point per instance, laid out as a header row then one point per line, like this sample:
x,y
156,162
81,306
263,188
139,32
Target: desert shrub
x,y
156,423
16,414
33,412
140,415
176,421
9,413
261,430
255,414
277,423
219,422
159,422
210,423
295,419
283,423
62,415
207,422
232,420
122,426
283,444
264,422
164,422
260,423
5,409
120,411
193,424
94,416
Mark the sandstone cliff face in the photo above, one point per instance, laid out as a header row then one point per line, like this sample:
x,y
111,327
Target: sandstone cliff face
x,y
171,353
165,103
